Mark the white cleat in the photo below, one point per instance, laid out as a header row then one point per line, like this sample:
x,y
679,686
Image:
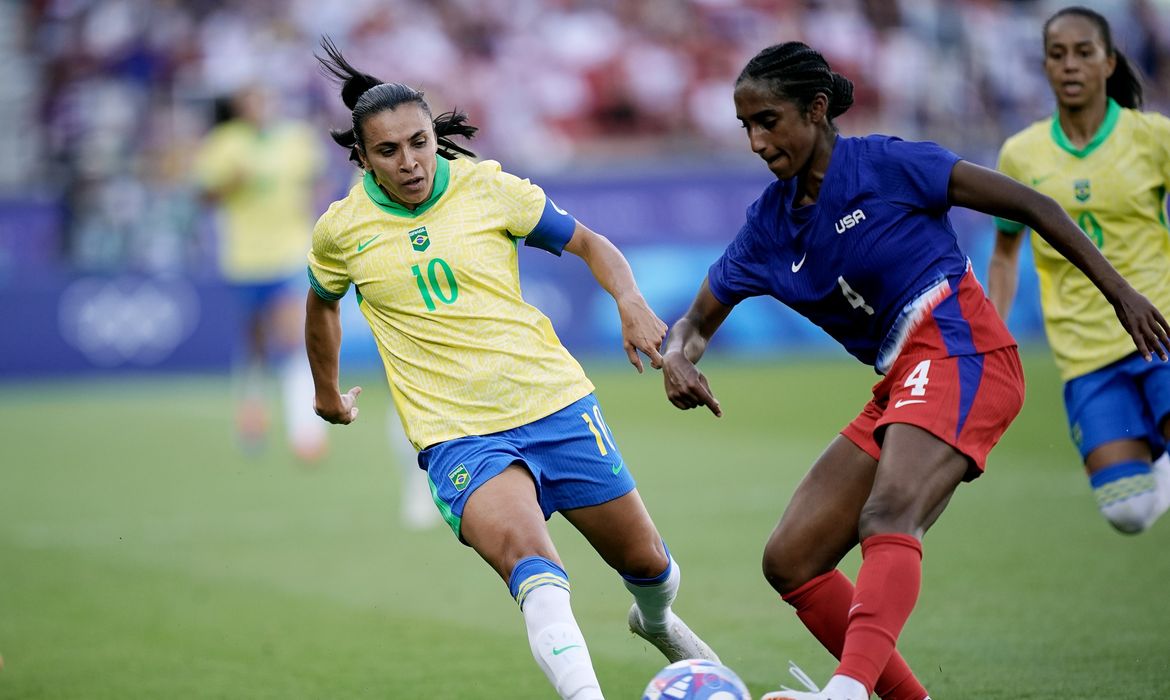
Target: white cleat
x,y
676,642
785,693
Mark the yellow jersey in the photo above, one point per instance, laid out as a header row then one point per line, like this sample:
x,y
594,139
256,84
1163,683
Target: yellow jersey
x,y
266,215
1115,189
440,287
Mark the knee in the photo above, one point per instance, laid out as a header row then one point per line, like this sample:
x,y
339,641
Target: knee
x,y
885,514
644,561
784,569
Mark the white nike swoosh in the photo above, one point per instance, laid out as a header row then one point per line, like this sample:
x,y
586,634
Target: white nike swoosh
x,y
797,265
903,402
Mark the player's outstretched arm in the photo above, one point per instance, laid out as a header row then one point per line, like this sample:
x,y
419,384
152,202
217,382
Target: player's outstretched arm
x,y
323,343
990,192
641,327
686,387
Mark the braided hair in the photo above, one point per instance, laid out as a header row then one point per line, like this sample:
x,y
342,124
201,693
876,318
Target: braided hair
x,y
1124,85
798,72
366,96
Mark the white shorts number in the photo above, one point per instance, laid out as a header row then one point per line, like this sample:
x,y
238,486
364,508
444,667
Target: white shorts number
x,y
918,379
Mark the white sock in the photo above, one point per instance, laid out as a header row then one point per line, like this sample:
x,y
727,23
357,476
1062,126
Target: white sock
x,y
844,688
654,601
558,645
1161,472
306,430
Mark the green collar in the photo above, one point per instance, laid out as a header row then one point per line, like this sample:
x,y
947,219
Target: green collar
x,y
378,196
1112,114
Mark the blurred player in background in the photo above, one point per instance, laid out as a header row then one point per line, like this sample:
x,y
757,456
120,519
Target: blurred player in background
x,y
1108,165
855,235
261,173
510,429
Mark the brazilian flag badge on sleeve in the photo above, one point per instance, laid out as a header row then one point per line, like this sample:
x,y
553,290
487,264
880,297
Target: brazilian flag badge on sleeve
x,y
460,477
420,240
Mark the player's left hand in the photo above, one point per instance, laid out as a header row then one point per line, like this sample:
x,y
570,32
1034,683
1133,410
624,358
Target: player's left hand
x,y
1143,321
641,330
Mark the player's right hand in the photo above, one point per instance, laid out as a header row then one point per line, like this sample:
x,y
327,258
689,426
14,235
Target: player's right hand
x,y
341,409
1144,323
686,387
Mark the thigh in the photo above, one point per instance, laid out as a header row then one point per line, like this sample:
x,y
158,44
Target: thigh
x,y
819,526
457,469
623,534
916,477
503,523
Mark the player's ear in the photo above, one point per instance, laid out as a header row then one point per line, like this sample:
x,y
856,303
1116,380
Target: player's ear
x,y
818,108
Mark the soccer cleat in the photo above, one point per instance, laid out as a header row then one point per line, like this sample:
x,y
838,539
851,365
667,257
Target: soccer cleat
x,y
676,642
786,693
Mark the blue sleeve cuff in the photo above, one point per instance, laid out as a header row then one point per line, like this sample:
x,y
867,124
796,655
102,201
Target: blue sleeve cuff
x,y
553,231
321,291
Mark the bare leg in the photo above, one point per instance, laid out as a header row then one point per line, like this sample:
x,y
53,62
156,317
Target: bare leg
x,y
624,535
503,522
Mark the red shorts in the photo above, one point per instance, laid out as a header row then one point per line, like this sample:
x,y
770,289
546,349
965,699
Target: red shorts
x,y
967,401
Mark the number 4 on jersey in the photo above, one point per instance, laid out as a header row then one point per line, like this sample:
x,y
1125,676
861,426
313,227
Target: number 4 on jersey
x,y
855,300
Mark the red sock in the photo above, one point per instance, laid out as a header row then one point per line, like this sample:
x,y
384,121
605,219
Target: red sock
x,y
822,604
887,589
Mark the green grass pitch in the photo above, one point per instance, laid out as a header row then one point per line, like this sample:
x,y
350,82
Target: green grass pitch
x,y
142,556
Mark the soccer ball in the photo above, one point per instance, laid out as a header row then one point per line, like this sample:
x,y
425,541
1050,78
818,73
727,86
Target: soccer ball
x,y
696,679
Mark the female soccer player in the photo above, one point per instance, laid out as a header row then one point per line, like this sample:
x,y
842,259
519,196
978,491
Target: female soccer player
x,y
854,235
507,422
260,172
1108,165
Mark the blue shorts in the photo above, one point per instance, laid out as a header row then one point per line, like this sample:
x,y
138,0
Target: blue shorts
x,y
1126,400
571,455
257,297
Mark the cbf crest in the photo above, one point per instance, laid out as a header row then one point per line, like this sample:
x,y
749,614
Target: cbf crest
x,y
1081,189
460,477
420,240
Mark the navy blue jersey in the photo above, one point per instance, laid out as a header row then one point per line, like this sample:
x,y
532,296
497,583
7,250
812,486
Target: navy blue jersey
x,y
876,246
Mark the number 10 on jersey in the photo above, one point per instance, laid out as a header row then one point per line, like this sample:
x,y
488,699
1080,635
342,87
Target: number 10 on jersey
x,y
429,287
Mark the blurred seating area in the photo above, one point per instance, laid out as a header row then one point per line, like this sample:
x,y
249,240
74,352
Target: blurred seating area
x,y
105,100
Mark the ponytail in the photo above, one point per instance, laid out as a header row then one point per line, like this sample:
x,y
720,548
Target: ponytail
x,y
1125,86
366,95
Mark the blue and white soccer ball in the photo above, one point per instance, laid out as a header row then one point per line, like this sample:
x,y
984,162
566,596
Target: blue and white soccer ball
x,y
696,679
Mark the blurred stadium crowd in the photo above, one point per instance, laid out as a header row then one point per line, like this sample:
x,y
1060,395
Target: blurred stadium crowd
x,y
105,100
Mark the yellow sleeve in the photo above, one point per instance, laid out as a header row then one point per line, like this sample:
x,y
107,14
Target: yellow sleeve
x,y
327,271
1007,166
1161,128
216,162
523,202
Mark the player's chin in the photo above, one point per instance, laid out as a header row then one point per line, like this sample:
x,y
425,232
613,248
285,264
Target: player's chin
x,y
781,168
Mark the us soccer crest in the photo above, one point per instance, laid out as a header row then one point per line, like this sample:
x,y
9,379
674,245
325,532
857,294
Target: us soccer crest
x,y
460,477
420,240
1081,188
